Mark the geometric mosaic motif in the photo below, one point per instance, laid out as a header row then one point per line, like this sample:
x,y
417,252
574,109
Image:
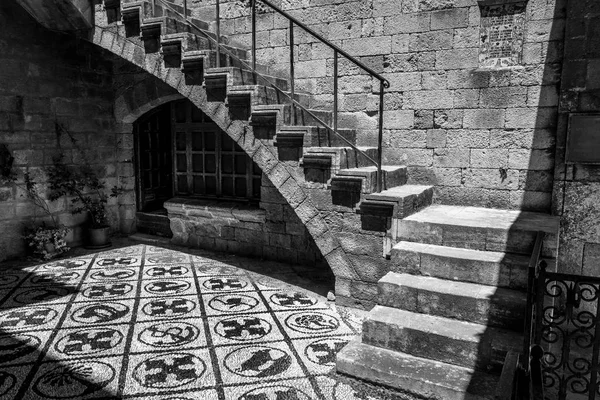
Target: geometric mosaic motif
x,y
501,34
144,322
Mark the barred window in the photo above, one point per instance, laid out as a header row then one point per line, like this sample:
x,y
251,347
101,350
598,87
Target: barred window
x,y
207,162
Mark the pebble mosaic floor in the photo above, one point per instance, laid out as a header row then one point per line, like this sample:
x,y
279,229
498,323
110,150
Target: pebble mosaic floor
x,y
145,322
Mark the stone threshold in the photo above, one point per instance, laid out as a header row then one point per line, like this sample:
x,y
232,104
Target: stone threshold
x,y
215,209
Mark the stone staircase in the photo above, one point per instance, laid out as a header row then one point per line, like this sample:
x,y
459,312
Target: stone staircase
x,y
451,301
295,132
453,304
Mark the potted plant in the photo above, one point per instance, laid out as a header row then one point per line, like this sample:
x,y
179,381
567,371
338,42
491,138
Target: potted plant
x,y
88,194
46,241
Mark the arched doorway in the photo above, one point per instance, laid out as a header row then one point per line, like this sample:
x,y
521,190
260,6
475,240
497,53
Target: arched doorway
x,y
181,152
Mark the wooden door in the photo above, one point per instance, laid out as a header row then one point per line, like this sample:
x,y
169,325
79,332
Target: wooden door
x,y
155,177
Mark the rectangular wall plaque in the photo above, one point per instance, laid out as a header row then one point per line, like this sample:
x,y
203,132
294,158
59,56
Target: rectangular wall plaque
x,y
583,139
501,34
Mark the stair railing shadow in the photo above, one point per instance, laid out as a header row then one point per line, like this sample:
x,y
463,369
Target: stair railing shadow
x,y
497,355
536,193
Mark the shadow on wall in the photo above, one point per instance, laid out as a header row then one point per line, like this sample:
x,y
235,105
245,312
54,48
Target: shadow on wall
x,y
504,315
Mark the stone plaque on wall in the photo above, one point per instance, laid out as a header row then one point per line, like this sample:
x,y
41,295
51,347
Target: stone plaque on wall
x,y
501,33
583,139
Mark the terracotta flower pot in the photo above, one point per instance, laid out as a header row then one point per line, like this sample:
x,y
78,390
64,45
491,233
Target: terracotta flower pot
x,y
99,237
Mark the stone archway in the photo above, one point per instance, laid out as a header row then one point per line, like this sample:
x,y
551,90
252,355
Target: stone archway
x,y
286,179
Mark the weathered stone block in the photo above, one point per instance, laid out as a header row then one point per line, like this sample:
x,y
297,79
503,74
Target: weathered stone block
x,y
448,119
279,240
484,118
423,119
464,138
429,99
368,45
451,158
428,41
503,97
489,158
456,59
406,23
358,244
492,178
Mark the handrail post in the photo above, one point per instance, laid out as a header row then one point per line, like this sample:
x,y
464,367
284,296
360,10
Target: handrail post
x,y
292,85
335,90
185,10
380,140
218,31
254,35
153,6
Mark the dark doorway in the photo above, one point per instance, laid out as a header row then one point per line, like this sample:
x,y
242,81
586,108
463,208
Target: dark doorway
x,y
181,152
155,178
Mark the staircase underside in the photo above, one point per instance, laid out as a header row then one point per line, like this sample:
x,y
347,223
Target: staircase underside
x,y
61,15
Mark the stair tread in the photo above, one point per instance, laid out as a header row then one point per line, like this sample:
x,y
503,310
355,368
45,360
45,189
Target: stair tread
x,y
399,192
461,253
370,169
479,217
457,288
446,327
428,378
333,149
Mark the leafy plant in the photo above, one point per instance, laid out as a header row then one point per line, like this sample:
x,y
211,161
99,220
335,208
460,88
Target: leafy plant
x,y
81,182
47,242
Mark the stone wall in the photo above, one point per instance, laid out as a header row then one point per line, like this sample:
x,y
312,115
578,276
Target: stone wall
x,y
577,186
482,137
271,231
55,97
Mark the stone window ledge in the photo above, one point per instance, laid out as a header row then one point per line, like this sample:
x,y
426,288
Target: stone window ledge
x,y
503,69
214,209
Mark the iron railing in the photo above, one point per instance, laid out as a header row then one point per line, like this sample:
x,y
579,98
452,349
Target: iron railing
x,y
337,52
531,363
563,335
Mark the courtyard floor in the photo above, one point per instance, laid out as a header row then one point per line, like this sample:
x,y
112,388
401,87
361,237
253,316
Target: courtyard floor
x,y
149,322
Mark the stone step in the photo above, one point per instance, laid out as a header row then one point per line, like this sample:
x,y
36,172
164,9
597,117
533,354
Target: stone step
x,y
393,175
480,304
491,268
441,339
313,136
321,163
422,377
153,223
397,202
480,229
261,94
280,115
341,157
236,76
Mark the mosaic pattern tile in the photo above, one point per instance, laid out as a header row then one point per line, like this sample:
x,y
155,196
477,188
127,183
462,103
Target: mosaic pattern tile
x,y
143,322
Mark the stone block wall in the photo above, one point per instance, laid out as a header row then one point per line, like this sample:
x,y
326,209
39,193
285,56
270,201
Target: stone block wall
x,y
577,186
271,231
482,137
55,98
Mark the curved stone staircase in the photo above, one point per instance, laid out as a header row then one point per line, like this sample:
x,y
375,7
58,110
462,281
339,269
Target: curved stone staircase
x,y
315,170
449,281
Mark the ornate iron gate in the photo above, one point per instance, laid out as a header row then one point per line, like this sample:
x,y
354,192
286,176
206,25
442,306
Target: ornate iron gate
x,y
566,325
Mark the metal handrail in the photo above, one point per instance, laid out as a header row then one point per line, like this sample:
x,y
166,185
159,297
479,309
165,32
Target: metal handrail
x,y
384,83
532,273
